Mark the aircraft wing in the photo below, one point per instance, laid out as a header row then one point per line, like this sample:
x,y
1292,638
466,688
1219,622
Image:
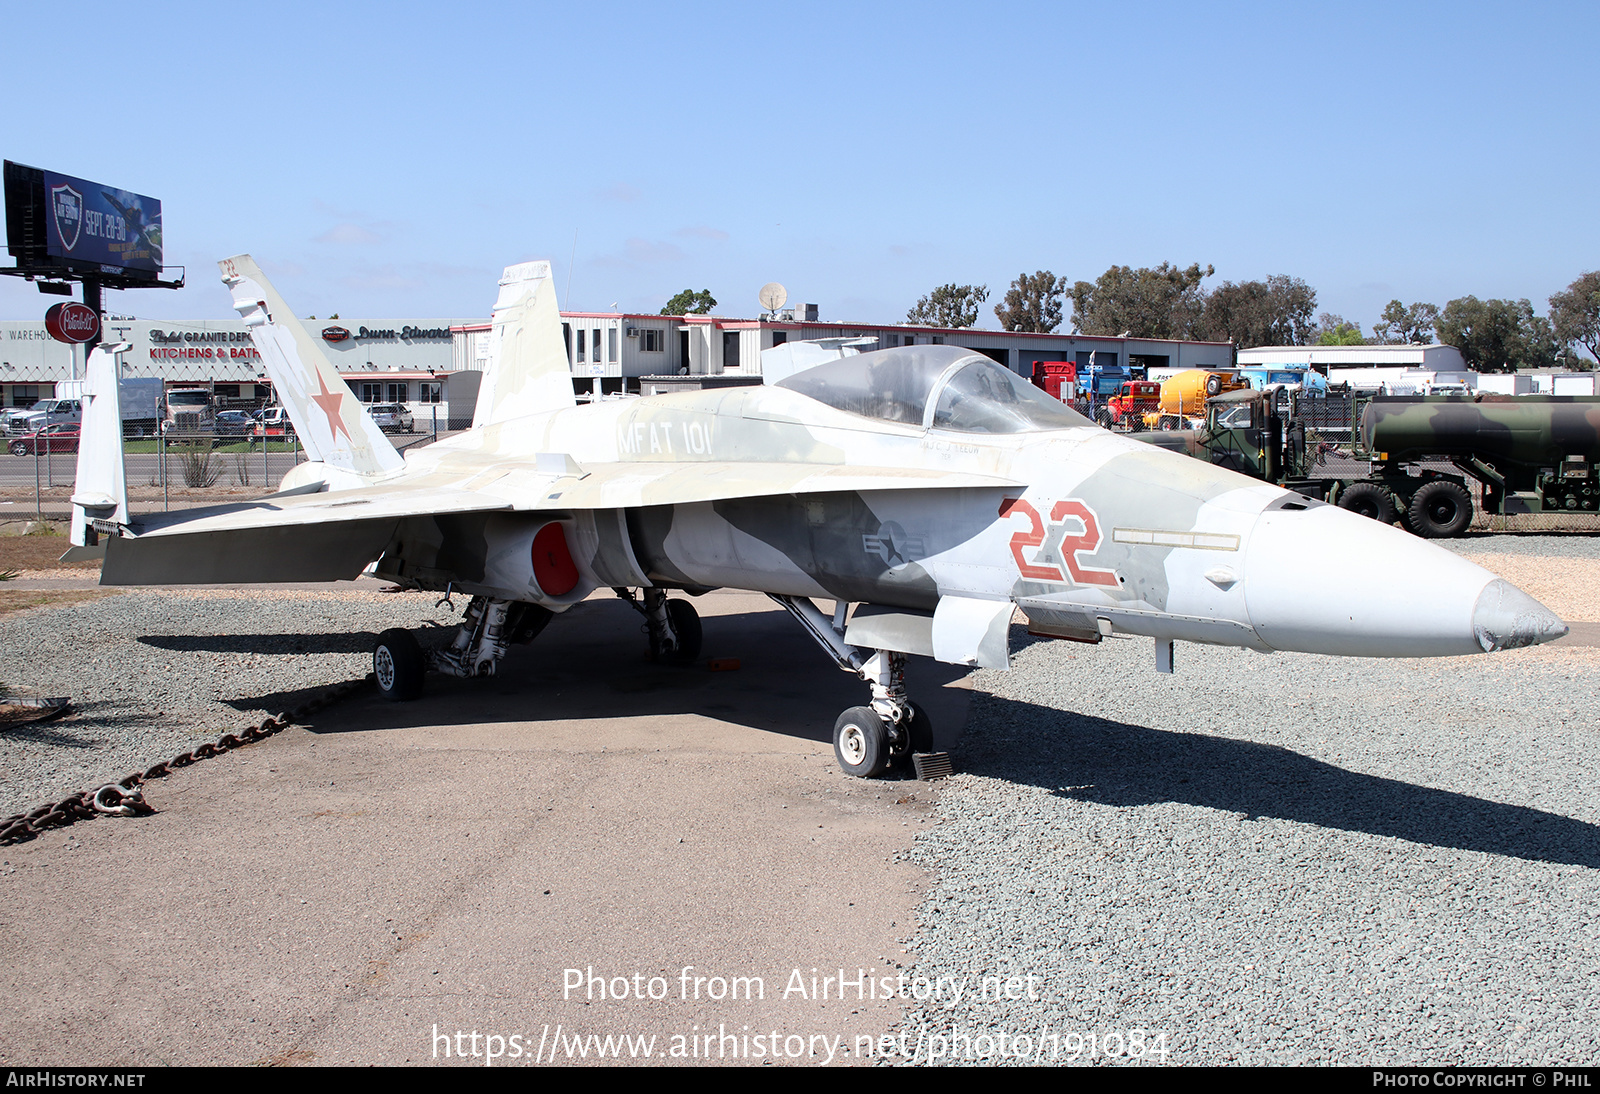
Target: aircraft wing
x,y
335,535
284,537
635,484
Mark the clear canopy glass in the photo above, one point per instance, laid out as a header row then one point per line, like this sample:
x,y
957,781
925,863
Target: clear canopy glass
x,y
937,387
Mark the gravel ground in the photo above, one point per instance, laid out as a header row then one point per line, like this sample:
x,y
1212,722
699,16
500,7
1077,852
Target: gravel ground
x,y
154,674
1556,545
1261,859
1276,859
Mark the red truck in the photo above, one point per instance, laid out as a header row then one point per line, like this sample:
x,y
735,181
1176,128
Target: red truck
x,y
1057,379
1127,408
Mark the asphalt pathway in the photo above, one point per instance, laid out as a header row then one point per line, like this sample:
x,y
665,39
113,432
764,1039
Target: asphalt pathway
x,y
500,860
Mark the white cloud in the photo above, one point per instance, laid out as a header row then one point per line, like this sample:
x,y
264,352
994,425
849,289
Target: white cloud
x,y
349,234
702,231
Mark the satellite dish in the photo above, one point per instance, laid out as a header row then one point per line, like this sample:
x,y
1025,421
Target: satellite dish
x,y
772,296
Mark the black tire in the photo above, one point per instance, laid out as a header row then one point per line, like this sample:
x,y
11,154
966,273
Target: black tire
x,y
18,448
1104,418
1213,385
1368,499
861,743
1168,423
686,625
1440,510
398,665
918,733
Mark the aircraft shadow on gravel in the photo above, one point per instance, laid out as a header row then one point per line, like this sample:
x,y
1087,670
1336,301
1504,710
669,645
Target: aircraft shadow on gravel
x,y
1092,759
359,642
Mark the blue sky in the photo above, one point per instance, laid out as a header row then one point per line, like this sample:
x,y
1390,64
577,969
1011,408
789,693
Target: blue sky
x,y
388,160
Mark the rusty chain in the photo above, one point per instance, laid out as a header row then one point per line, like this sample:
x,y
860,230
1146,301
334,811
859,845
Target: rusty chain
x,y
125,797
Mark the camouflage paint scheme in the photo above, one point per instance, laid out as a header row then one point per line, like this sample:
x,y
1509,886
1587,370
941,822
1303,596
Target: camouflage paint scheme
x,y
769,489
1527,429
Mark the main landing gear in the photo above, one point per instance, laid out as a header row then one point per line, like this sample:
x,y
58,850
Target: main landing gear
x,y
487,629
490,626
672,625
890,730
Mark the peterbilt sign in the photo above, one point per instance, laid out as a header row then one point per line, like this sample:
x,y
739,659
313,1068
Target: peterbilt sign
x,y
72,322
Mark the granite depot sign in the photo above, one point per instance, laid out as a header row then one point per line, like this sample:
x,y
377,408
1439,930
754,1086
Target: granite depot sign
x,y
348,347
201,345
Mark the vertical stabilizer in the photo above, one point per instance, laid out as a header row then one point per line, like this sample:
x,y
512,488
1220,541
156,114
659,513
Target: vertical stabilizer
x,y
100,492
329,419
528,371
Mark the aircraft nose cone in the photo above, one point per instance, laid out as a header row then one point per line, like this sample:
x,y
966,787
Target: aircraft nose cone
x,y
1322,580
1506,618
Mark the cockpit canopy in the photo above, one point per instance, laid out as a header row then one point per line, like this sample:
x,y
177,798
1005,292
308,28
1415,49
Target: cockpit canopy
x,y
934,387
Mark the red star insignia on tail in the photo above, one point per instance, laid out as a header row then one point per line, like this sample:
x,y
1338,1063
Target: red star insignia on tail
x,y
329,402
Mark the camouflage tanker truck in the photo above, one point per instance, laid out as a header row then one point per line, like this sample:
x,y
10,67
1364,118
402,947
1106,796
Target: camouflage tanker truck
x,y
1529,453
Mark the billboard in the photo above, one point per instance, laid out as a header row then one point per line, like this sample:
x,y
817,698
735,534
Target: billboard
x,y
61,221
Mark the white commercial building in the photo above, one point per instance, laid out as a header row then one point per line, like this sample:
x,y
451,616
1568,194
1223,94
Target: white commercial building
x,y
618,348
412,361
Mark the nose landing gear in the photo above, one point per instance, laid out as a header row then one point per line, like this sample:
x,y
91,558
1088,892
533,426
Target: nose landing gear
x,y
891,729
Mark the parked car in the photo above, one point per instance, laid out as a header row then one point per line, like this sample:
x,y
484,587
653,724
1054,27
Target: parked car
x,y
391,417
273,422
62,437
234,423
44,413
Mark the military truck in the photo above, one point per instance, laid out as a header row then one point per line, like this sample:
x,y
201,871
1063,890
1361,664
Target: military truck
x,y
1529,453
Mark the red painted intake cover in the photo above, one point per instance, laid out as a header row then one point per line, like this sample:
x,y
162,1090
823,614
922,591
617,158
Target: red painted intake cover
x,y
553,567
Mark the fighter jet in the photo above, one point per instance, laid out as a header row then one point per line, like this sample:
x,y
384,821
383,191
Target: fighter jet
x,y
923,494
133,218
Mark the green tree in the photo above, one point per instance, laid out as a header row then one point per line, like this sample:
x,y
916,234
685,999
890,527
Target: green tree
x,y
1575,314
1274,312
1336,330
689,302
949,306
1165,302
1404,326
1497,335
1033,303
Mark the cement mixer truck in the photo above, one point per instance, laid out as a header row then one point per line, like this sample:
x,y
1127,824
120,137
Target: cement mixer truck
x,y
1184,395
